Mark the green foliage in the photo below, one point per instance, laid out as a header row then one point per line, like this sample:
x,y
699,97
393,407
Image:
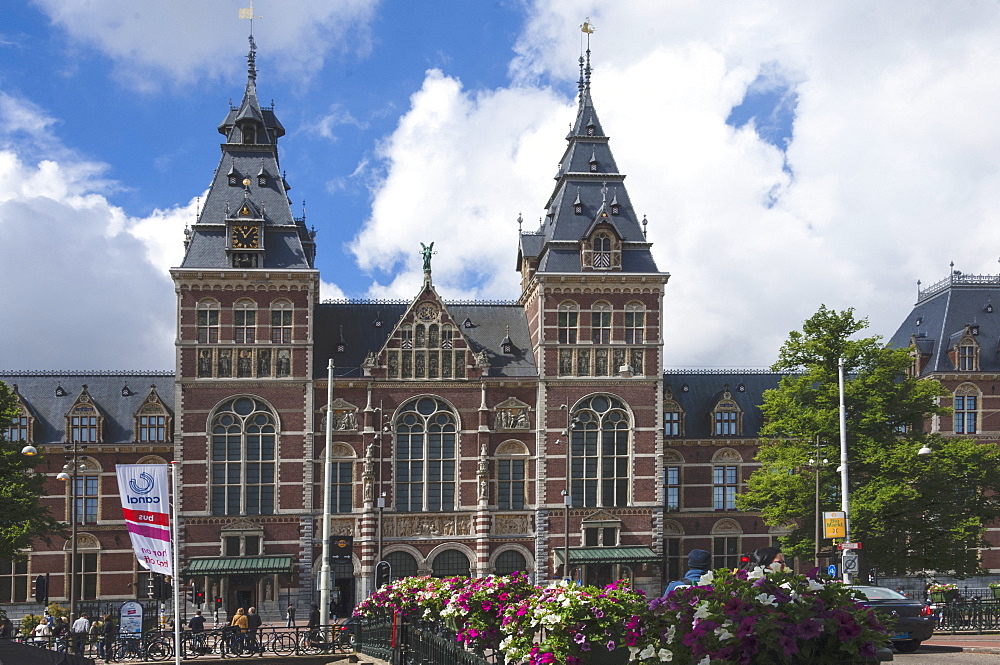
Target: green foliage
x,y
28,623
22,516
911,512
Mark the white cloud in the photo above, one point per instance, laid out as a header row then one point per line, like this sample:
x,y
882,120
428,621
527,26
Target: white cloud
x,y
87,286
184,39
893,161
460,167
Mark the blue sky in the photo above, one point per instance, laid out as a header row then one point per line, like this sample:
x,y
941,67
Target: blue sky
x,y
786,156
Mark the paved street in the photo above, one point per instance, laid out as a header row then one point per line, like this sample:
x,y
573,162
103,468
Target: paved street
x,y
935,655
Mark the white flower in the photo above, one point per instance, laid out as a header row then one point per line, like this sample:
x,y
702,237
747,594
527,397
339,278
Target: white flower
x,y
706,579
647,652
552,619
814,585
702,611
705,661
723,634
670,634
665,655
505,642
756,573
766,599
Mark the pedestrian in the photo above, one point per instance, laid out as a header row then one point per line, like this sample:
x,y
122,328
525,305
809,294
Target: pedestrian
x,y
197,626
94,635
313,624
6,629
42,634
764,557
699,562
109,633
253,625
60,631
290,616
79,630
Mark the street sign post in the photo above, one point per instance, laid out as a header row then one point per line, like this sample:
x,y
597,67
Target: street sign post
x,y
832,570
850,562
835,524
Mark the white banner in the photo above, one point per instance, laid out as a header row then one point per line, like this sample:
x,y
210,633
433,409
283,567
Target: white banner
x,y
146,505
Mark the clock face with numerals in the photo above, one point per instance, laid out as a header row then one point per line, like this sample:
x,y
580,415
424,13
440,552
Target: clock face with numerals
x,y
246,237
427,311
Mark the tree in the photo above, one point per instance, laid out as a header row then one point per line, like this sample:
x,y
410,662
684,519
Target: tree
x,y
912,512
22,515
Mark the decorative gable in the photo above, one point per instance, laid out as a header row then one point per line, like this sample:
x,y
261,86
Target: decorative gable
x,y
152,420
727,416
345,416
964,354
601,249
427,343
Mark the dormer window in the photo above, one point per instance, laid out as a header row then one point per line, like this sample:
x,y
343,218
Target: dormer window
x,y
249,134
965,354
593,162
262,180
615,209
727,418
234,180
602,251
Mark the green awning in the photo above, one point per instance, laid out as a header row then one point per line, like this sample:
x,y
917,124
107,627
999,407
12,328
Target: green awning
x,y
584,555
247,564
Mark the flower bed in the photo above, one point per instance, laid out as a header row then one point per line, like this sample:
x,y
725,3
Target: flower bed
x,y
765,616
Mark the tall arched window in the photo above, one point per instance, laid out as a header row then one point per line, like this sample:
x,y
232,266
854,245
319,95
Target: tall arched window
x,y
426,441
600,453
635,323
243,452
602,250
450,563
510,561
245,322
966,409
600,323
208,322
402,564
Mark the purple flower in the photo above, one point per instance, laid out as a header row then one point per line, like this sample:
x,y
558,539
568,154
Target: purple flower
x,y
579,638
611,645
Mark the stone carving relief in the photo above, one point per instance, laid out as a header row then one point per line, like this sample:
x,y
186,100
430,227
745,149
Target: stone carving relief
x,y
447,525
726,526
727,455
345,416
511,414
508,525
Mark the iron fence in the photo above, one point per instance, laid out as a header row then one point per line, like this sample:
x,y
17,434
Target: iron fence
x,y
416,643
976,616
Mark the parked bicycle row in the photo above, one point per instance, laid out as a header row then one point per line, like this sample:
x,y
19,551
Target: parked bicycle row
x,y
225,642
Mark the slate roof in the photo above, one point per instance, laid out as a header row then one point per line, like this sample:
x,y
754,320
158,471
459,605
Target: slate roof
x,y
556,241
356,321
697,393
38,391
287,243
941,314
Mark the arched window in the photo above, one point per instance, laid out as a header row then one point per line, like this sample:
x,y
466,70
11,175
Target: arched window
x,y
245,322
966,409
20,429
208,322
726,546
510,561
86,494
426,443
635,323
602,251
725,479
568,322
600,323
727,417
281,322
600,456
511,458
402,564
244,437
450,563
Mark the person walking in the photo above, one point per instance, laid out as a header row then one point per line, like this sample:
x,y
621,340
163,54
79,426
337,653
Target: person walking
x,y
290,616
764,557
42,634
59,632
109,633
196,625
79,631
699,562
253,625
313,624
94,636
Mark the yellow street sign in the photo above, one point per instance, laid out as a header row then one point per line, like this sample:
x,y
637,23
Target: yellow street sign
x,y
834,525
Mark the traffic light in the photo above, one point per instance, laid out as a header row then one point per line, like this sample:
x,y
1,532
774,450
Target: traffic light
x,y
40,589
744,561
199,598
218,602
383,574
160,587
191,595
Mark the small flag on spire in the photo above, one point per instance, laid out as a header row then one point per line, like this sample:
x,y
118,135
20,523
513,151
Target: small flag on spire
x,y
587,27
246,12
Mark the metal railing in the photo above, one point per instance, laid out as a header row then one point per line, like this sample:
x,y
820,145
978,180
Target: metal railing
x,y
221,642
417,643
974,616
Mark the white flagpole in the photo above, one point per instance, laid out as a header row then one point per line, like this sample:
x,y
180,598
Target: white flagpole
x,y
324,575
176,565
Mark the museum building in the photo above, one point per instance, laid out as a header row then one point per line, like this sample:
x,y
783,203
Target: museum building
x,y
467,437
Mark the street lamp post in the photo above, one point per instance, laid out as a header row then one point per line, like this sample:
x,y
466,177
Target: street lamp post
x,y
324,575
70,473
566,493
817,464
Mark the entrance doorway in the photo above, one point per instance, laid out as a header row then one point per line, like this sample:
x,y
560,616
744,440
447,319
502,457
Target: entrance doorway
x,y
242,592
